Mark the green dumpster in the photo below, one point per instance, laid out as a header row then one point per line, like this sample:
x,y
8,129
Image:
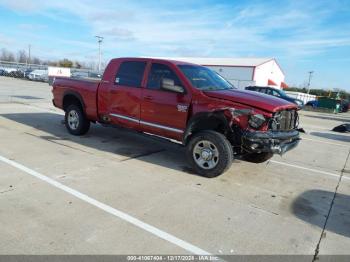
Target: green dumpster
x,y
330,103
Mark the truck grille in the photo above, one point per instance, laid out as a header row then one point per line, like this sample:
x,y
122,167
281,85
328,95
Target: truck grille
x,y
284,120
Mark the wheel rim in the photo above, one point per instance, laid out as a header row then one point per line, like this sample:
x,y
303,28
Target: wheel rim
x,y
205,154
73,119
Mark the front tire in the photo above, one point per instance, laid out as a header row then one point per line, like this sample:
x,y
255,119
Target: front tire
x,y
210,153
257,157
76,122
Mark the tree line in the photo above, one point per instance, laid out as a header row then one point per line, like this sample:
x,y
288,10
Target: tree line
x,y
22,57
335,93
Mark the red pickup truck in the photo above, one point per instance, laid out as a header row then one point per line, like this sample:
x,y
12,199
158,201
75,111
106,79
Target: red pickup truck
x,y
184,102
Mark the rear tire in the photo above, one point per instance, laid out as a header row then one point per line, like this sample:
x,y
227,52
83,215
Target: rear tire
x,y
209,153
257,157
75,120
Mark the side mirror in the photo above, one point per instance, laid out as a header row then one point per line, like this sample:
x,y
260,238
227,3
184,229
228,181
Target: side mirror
x,y
169,84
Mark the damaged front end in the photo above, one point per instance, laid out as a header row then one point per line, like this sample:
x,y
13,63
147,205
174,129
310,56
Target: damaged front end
x,y
277,142
280,136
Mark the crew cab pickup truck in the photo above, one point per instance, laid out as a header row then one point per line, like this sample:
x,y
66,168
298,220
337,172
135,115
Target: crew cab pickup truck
x,y
184,102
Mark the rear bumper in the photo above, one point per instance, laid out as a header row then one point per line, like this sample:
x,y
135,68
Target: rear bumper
x,y
277,142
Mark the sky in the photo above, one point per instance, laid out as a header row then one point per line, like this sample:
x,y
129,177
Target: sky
x,y
302,35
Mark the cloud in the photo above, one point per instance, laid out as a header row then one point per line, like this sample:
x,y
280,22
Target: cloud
x,y
277,29
117,33
4,40
109,15
33,27
24,6
295,29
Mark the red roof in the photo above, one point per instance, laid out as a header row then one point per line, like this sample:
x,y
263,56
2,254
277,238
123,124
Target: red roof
x,y
271,83
284,85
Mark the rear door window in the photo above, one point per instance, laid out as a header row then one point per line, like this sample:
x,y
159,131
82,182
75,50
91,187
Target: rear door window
x,y
269,92
130,73
261,90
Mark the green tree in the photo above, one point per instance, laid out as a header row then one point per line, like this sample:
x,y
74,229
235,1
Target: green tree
x,y
322,92
65,63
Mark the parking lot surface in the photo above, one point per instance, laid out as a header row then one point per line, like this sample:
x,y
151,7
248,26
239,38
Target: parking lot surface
x,y
114,191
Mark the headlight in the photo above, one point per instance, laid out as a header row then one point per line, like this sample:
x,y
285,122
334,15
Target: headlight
x,y
239,112
256,121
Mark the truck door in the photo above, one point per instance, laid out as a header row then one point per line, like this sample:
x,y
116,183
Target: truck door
x,y
125,94
164,112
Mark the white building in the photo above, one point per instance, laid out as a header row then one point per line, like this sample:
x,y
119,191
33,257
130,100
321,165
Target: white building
x,y
244,72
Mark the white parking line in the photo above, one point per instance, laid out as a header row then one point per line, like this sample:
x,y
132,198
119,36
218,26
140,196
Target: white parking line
x,y
44,109
325,142
310,169
128,218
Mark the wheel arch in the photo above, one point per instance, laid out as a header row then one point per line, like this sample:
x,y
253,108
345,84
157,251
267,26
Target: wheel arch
x,y
216,121
71,97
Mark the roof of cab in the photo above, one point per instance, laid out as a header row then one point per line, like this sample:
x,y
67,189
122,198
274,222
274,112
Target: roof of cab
x,y
154,59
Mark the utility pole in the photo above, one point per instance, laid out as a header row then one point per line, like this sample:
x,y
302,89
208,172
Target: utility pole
x,y
308,85
29,49
99,40
28,58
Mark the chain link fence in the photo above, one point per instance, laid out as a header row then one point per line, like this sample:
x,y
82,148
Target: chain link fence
x,y
35,72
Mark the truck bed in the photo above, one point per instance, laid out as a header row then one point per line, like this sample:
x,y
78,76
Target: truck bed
x,y
86,89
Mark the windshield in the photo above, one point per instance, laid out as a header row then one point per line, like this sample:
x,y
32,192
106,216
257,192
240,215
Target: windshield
x,y
205,79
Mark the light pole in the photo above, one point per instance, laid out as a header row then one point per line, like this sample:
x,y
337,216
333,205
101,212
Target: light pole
x,y
28,56
99,40
308,85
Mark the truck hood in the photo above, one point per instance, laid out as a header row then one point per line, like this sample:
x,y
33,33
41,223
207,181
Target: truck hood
x,y
254,99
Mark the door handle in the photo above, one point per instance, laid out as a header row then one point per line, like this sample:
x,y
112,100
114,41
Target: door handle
x,y
148,98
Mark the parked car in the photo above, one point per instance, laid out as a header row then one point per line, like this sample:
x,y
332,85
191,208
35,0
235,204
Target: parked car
x,y
27,72
312,103
17,74
38,75
344,106
95,75
7,71
85,74
277,93
79,74
184,102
